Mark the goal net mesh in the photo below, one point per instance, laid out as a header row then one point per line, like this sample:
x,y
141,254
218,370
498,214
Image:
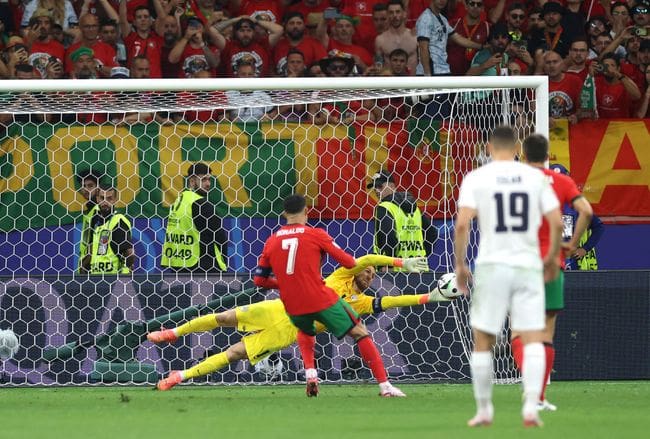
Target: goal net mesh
x,y
261,145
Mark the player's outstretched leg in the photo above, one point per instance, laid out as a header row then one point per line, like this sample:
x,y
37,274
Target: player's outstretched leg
x,y
204,323
174,377
162,336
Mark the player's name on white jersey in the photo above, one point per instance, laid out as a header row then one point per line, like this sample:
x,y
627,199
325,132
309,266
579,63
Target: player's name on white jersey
x,y
291,231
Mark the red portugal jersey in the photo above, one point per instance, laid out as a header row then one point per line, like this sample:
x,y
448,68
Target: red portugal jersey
x,y
151,47
294,254
566,191
564,96
612,100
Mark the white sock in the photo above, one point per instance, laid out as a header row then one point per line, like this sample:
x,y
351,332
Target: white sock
x,y
182,372
311,373
385,386
532,375
481,367
175,331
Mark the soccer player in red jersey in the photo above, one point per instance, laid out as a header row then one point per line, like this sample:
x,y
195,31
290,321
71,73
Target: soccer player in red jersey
x,y
535,149
294,255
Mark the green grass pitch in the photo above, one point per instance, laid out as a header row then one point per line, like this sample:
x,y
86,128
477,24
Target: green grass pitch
x,y
586,410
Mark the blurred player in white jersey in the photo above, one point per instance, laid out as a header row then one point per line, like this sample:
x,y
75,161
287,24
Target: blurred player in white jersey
x,y
509,199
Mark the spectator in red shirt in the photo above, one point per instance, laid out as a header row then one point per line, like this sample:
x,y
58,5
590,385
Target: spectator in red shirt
x,y
576,62
274,9
295,38
140,39
341,42
104,54
243,46
42,45
193,53
472,27
564,90
615,92
644,106
294,255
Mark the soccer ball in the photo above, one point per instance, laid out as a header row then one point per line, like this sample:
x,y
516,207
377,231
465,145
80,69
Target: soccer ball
x,y
447,286
8,344
271,367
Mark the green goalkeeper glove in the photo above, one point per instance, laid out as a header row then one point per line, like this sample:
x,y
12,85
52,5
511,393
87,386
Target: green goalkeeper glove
x,y
415,265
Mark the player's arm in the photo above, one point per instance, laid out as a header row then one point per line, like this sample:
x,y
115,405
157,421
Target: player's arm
x,y
263,273
412,265
585,213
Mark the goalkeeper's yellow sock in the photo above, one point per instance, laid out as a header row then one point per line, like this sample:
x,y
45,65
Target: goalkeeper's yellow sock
x,y
209,365
405,300
200,324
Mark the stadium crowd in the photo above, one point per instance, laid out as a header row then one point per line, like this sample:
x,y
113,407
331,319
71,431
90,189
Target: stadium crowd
x,y
595,52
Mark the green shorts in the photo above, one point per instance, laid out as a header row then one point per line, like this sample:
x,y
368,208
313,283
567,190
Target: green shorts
x,y
555,293
338,319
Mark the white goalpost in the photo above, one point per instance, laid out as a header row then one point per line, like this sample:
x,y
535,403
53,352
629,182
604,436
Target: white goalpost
x,y
263,140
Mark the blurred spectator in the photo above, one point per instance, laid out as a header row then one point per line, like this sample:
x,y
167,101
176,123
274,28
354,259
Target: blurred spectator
x,y
140,39
341,42
54,69
614,91
595,26
15,53
170,32
514,69
263,109
103,53
553,37
42,45
7,25
564,89
492,61
273,9
361,12
84,65
295,64
62,12
193,53
535,21
576,62
573,20
620,18
25,71
433,31
473,27
515,18
295,38
641,16
379,25
398,63
243,46
644,106
109,33
397,36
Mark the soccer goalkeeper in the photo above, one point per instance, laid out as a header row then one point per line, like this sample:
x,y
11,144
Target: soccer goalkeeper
x,y
269,327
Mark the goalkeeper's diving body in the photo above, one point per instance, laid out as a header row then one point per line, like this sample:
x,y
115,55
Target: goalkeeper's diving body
x,y
267,323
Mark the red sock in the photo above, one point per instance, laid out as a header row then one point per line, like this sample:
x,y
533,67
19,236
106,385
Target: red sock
x,y
307,344
371,357
549,350
517,352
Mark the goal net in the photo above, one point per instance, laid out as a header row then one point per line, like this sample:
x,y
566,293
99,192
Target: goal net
x,y
263,139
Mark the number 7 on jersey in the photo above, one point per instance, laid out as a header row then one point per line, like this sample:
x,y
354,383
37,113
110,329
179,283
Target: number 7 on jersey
x,y
290,244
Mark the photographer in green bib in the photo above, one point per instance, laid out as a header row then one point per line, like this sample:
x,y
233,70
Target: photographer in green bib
x,y
401,230
111,251
195,240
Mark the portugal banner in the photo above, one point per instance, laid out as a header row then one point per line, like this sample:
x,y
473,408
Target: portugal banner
x,y
610,160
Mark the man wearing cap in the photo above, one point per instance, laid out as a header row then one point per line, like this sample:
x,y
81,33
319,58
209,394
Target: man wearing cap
x,y
83,63
295,38
195,240
400,228
552,37
103,53
341,42
244,46
42,47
